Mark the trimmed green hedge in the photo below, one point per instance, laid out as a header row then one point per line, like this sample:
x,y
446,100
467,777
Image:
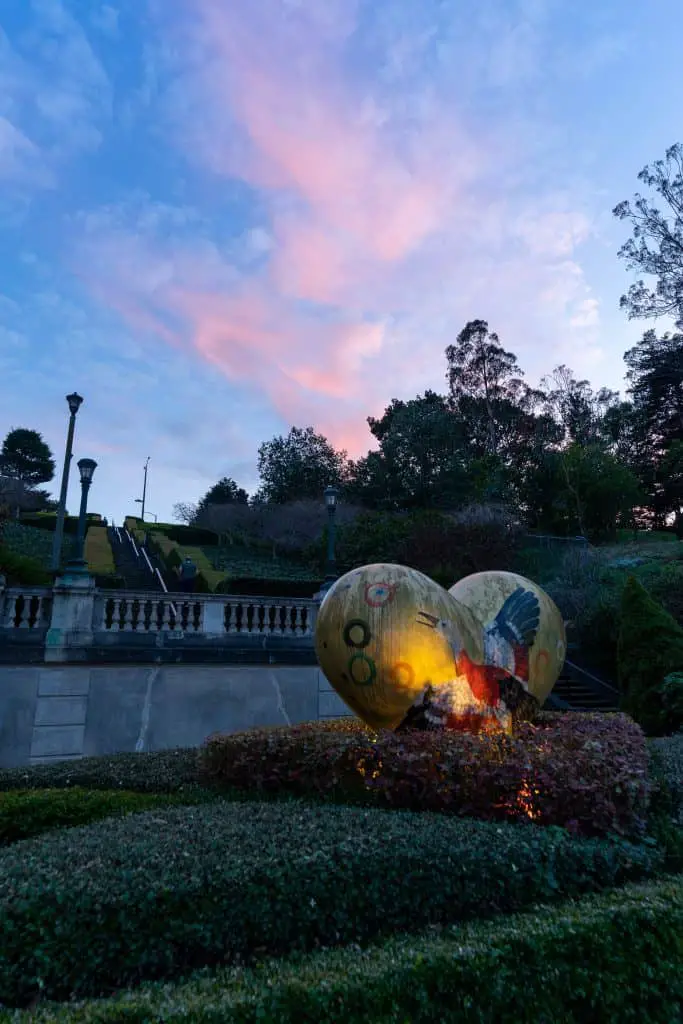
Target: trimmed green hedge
x,y
614,957
28,813
156,894
161,771
31,547
47,522
21,570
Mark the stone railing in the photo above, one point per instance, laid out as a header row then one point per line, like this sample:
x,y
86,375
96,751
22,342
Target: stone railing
x,y
208,614
25,608
74,620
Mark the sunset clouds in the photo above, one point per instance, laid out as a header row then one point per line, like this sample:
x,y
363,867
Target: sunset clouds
x,y
302,203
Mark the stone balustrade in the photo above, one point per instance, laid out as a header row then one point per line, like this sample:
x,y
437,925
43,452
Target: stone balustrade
x,y
75,621
209,614
25,608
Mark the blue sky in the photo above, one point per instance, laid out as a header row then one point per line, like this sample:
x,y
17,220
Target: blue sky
x,y
220,219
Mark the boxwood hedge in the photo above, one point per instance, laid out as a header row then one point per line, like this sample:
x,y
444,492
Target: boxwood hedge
x,y
27,813
156,894
161,771
604,958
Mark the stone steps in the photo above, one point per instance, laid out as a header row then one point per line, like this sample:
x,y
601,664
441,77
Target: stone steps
x,y
133,570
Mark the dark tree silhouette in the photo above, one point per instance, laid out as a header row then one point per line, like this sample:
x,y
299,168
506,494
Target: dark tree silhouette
x,y
656,247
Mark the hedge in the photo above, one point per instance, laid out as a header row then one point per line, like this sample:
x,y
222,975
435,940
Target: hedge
x,y
172,556
28,813
160,771
152,895
586,772
20,540
650,647
21,570
610,957
97,551
47,521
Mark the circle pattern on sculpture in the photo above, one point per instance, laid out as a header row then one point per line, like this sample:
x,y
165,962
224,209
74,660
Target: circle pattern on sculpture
x,y
362,669
379,594
403,674
357,633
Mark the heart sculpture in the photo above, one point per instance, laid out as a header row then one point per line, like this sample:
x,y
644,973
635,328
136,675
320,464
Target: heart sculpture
x,y
540,652
403,652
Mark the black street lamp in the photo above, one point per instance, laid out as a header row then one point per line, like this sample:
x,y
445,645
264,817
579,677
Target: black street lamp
x,y
331,495
74,400
78,564
141,501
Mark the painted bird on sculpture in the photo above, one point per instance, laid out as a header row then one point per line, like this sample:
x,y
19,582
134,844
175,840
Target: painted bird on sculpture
x,y
507,641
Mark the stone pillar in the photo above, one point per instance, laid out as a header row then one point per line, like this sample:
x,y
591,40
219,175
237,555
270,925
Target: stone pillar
x,y
213,618
71,629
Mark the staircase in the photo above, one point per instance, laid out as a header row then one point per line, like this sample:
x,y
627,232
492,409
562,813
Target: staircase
x,y
579,690
131,566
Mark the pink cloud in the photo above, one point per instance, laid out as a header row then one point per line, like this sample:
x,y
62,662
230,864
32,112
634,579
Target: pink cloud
x,y
306,367
360,181
396,229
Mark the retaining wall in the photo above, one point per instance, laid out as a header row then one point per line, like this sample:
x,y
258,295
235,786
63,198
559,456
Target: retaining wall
x,y
49,713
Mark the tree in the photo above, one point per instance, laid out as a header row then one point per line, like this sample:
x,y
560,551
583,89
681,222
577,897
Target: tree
x,y
506,423
655,376
656,247
19,497
185,512
25,456
299,466
482,374
578,409
423,454
649,649
581,490
225,492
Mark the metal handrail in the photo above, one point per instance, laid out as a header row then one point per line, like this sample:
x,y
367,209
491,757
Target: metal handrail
x,y
583,674
135,547
146,557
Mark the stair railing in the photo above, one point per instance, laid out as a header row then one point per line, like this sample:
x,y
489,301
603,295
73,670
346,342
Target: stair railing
x,y
592,681
132,540
154,571
149,564
165,590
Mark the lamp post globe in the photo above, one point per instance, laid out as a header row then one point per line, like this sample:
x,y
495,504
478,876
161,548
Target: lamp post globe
x,y
74,401
86,468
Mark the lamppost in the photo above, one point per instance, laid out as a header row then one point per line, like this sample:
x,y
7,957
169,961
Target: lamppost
x,y
141,501
331,495
74,401
78,564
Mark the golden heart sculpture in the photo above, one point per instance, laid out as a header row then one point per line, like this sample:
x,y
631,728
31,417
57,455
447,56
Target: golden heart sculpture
x,y
402,651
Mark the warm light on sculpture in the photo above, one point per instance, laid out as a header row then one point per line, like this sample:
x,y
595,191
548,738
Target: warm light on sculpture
x,y
403,652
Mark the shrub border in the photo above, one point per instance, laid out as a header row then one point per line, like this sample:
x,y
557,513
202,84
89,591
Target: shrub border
x,y
566,963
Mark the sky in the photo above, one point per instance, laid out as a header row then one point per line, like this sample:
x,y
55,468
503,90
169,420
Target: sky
x,y
223,218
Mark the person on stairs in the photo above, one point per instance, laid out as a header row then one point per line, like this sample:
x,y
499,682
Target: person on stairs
x,y
188,575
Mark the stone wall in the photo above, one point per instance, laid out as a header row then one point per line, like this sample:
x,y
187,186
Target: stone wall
x,y
50,713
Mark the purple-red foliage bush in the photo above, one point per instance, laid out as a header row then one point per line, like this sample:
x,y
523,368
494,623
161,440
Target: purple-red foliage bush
x,y
587,773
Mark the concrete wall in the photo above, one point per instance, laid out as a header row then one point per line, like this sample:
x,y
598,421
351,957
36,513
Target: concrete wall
x,y
49,713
